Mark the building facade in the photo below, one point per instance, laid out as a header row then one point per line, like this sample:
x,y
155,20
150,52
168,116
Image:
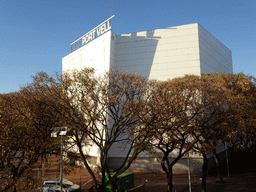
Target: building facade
x,y
156,54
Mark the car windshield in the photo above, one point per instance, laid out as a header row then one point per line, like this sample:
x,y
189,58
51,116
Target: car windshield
x,y
49,184
65,186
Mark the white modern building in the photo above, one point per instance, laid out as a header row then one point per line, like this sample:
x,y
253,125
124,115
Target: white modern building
x,y
156,54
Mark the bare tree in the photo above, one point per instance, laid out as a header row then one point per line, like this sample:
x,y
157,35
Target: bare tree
x,y
171,104
212,122
220,114
104,111
241,93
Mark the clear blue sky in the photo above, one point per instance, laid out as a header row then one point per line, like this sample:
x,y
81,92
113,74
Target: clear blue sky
x,y
36,34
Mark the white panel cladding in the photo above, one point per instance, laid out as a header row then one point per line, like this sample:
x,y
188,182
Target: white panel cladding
x,y
158,54
97,54
112,50
214,56
170,53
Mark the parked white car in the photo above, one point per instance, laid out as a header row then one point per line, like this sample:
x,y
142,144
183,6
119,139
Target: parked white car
x,y
53,185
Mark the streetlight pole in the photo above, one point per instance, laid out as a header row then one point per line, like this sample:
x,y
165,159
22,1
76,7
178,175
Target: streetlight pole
x,y
61,131
189,178
61,163
227,158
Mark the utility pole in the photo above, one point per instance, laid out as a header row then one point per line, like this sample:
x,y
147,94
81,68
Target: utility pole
x,y
61,131
189,179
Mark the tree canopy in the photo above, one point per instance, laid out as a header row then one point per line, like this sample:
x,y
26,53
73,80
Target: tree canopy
x,y
27,119
197,113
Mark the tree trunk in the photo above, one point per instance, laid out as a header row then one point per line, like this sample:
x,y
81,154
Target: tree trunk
x,y
85,163
168,171
113,186
217,160
169,181
204,172
102,188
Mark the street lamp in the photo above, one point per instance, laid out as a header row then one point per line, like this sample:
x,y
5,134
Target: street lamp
x,y
189,178
61,131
